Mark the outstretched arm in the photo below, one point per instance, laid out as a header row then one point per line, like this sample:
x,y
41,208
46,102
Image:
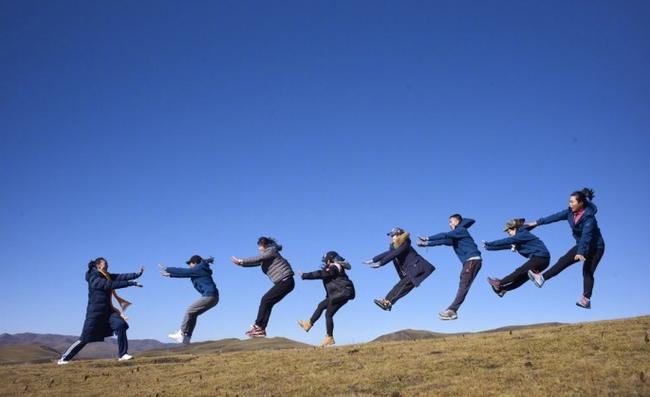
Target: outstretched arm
x,y
558,216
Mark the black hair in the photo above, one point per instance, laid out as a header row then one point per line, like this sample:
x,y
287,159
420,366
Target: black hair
x,y
457,216
584,196
96,261
266,241
332,256
209,260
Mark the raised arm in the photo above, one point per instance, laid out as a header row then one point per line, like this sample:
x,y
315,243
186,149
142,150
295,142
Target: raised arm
x,y
559,216
124,276
393,253
325,274
257,260
185,272
99,282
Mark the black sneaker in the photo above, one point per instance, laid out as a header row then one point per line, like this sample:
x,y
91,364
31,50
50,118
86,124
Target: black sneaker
x,y
383,304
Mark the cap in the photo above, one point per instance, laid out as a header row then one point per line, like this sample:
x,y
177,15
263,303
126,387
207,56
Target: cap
x,y
194,259
395,232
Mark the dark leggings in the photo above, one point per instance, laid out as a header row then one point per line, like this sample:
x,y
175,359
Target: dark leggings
x,y
273,296
400,290
588,267
331,308
118,325
519,277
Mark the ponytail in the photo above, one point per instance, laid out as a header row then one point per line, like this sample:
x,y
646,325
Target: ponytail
x,y
584,196
209,260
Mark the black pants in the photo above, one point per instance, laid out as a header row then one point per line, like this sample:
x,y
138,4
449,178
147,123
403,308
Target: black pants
x,y
331,309
118,325
588,267
273,296
467,276
519,277
400,290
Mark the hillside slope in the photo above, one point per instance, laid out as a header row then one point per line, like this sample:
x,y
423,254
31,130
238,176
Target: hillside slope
x,y
590,359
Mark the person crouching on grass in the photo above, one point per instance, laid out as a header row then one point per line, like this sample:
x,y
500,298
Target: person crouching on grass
x,y
467,252
338,291
528,245
201,275
411,268
279,271
102,318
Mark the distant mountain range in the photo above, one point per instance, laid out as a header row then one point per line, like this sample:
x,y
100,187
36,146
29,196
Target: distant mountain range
x,y
35,348
30,347
413,334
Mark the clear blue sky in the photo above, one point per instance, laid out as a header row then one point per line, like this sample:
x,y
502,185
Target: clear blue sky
x,y
146,132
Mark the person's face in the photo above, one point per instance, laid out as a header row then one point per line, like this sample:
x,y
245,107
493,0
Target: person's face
x,y
574,204
192,264
511,232
102,266
453,222
394,237
261,248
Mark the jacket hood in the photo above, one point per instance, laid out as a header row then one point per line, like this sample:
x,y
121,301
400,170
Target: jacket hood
x,y
466,223
591,208
344,264
206,266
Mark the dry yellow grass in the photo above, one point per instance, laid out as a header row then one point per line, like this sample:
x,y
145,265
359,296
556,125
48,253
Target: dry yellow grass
x,y
608,358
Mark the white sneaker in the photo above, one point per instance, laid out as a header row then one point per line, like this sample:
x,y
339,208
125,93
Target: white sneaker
x,y
177,336
125,357
62,362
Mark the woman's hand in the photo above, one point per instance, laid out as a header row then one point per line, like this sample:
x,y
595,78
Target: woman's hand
x,y
163,271
423,238
236,260
580,258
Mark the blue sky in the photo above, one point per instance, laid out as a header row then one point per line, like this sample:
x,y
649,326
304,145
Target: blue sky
x,y
146,132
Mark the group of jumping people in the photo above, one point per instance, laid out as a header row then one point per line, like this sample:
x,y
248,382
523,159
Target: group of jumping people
x,y
103,319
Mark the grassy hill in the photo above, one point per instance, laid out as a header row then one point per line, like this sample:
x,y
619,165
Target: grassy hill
x,y
590,359
14,354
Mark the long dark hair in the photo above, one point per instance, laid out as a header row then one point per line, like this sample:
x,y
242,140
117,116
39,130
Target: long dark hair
x,y
266,241
93,263
584,196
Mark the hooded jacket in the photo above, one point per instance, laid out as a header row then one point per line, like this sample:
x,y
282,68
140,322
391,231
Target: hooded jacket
x,y
273,264
459,239
586,232
99,309
524,242
407,262
201,276
335,280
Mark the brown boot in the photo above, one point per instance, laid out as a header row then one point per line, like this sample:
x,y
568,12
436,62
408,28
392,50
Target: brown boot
x,y
305,324
328,341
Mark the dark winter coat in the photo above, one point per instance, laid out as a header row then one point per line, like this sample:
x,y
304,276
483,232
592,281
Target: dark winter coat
x,y
407,261
459,238
524,242
99,308
585,232
201,276
338,286
273,264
